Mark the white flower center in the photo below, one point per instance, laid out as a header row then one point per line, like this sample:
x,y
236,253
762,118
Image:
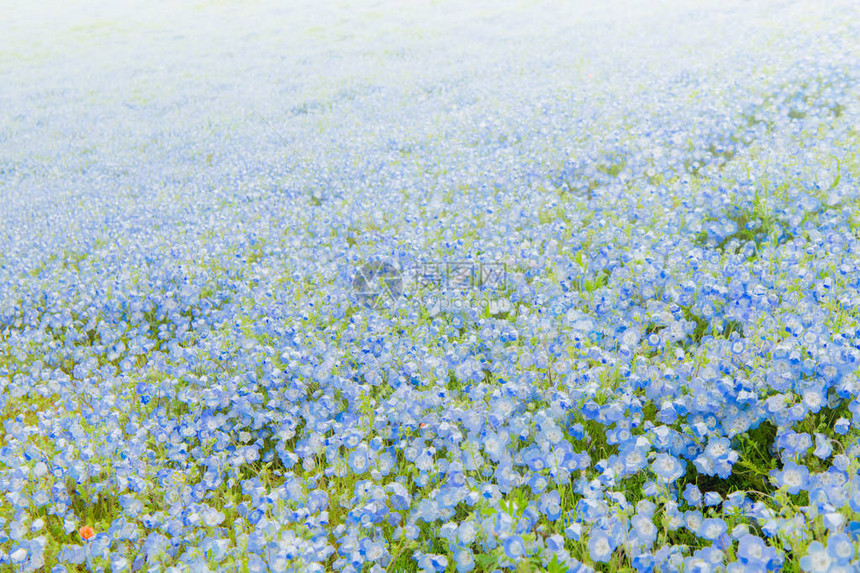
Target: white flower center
x,y
718,450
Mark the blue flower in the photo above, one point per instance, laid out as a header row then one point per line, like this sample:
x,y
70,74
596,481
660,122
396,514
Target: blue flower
x,y
823,447
372,550
667,467
537,483
600,547
644,563
430,562
692,495
550,505
712,528
841,549
514,547
817,559
573,531
358,460
463,560
466,532
643,532
792,476
717,458
754,552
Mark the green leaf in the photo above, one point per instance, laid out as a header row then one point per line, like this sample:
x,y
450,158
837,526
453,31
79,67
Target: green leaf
x,y
838,173
486,561
555,566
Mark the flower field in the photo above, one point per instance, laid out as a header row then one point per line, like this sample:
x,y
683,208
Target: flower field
x,y
440,286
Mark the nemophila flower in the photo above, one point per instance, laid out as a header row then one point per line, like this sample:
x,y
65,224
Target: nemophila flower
x,y
514,547
692,495
600,547
697,564
466,533
643,532
823,447
18,556
717,459
495,445
667,467
537,483
464,560
535,458
490,493
573,531
650,488
646,507
713,498
372,550
634,456
814,399
841,549
550,505
358,460
693,520
833,521
795,444
817,558
555,543
668,413
854,408
644,562
448,531
794,526
712,528
792,476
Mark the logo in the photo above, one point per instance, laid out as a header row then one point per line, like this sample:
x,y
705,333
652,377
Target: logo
x,y
377,284
436,285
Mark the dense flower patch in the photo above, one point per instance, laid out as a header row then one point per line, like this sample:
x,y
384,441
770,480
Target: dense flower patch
x,y
664,377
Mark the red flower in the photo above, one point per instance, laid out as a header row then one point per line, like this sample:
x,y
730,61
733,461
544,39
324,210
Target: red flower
x,y
86,532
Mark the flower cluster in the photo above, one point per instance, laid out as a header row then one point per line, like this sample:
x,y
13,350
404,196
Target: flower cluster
x,y
667,379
